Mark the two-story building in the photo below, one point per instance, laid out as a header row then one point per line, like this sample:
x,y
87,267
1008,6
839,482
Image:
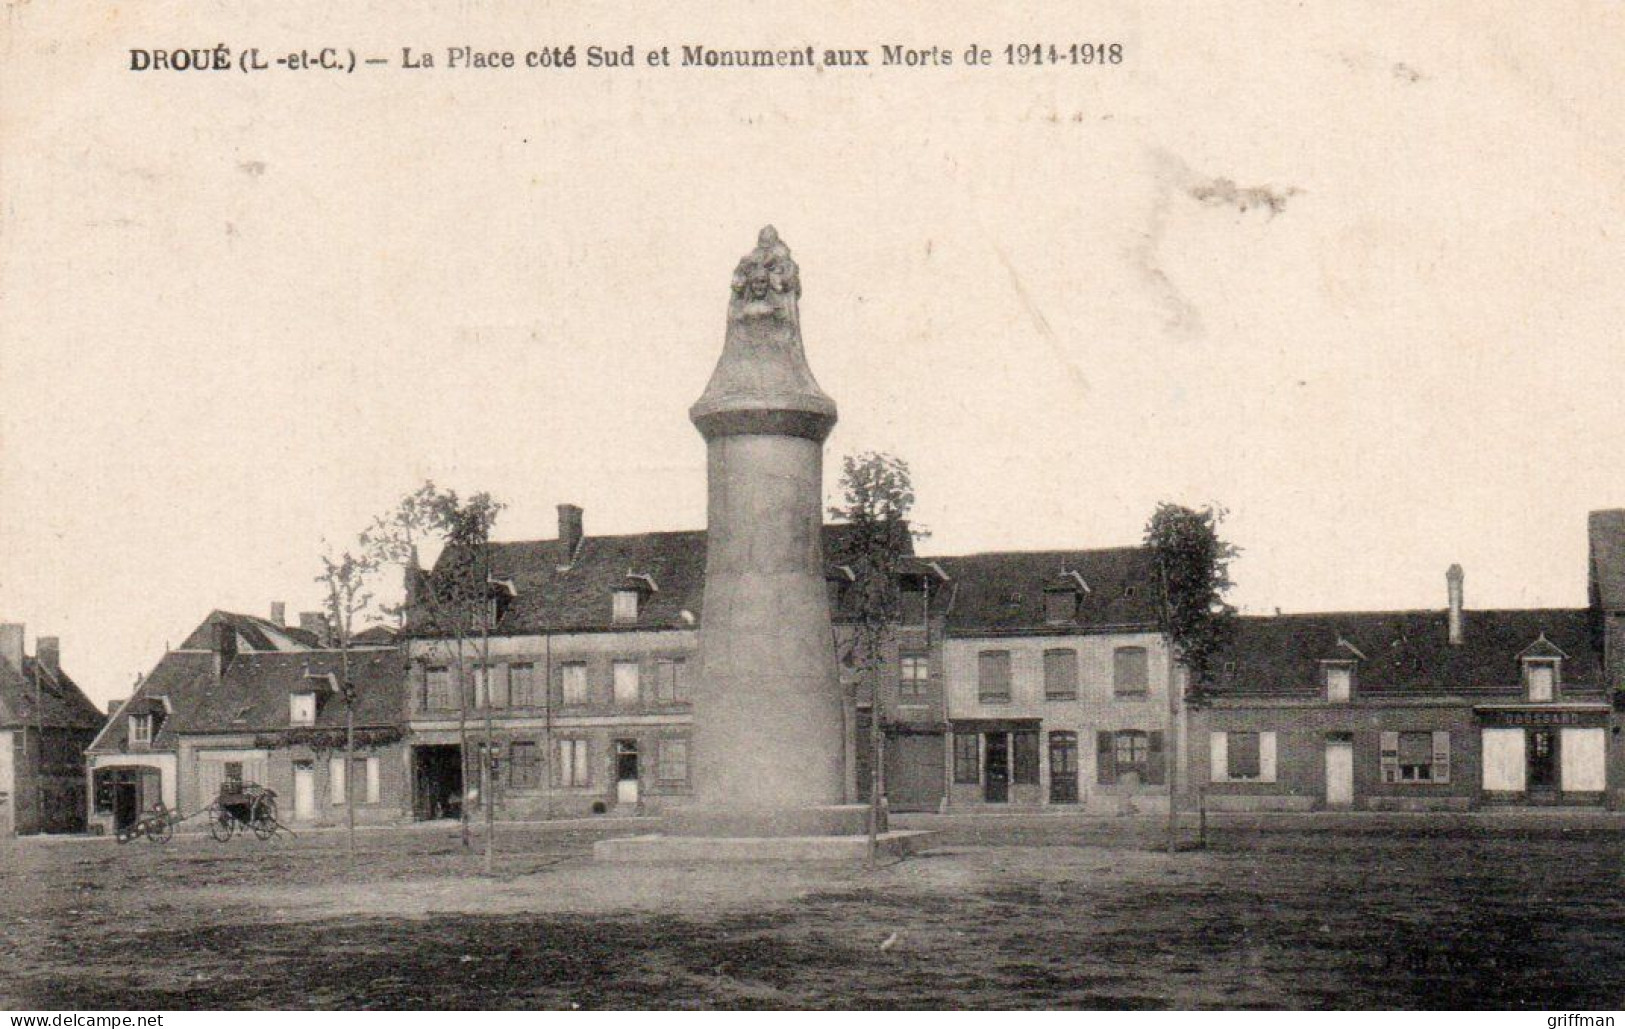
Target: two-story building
x,y
45,723
247,699
585,678
1057,681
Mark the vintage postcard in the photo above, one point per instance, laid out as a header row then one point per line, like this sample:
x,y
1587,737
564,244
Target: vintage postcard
x,y
794,506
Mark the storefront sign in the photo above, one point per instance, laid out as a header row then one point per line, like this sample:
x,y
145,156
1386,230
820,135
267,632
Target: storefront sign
x,y
1517,718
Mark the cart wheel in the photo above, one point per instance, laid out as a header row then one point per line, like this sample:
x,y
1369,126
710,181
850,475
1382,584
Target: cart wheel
x,y
220,826
161,831
124,835
265,824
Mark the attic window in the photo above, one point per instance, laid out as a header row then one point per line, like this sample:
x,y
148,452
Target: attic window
x,y
626,605
1338,678
1060,605
301,709
1540,677
140,728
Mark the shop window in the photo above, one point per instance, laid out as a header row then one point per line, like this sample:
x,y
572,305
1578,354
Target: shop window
x,y
1415,757
967,758
1024,745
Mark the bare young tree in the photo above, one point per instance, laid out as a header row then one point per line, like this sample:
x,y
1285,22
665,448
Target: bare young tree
x,y
346,580
877,495
452,604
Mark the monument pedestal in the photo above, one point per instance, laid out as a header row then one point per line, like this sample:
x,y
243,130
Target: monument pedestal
x,y
675,849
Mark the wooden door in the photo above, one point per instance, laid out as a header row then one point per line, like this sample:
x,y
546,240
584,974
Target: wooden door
x,y
1339,773
914,772
304,791
1063,768
996,769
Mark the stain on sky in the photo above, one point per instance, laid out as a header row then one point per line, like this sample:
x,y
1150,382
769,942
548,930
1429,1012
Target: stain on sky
x,y
1173,179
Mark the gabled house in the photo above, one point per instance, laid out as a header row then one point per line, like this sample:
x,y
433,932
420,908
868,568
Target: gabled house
x,y
1057,681
45,723
248,699
1409,710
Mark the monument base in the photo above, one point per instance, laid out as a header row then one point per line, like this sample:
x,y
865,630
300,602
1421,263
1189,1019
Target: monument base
x,y
672,849
823,820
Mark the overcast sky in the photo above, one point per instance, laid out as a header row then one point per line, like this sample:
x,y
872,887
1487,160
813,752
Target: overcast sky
x,y
1354,275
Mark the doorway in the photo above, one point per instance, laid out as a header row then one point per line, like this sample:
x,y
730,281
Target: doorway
x,y
437,782
1543,761
1339,773
996,782
1063,768
626,772
304,791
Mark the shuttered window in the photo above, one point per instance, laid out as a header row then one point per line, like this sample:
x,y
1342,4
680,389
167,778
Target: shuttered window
x,y
993,676
625,674
572,768
1060,674
522,684
573,676
672,761
967,758
1416,757
523,764
1130,672
1242,757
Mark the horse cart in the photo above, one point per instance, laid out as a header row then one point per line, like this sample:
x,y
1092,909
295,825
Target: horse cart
x,y
244,807
157,825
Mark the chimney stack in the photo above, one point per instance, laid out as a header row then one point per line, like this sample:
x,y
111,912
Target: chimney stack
x,y
224,646
315,622
279,613
11,643
1453,580
48,651
570,531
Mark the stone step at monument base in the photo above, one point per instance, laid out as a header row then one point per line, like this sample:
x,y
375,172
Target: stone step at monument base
x,y
820,820
714,849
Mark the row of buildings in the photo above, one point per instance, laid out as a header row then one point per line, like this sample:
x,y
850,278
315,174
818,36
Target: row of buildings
x,y
1015,680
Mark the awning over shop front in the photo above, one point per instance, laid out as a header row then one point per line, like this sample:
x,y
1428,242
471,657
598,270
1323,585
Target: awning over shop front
x,y
995,724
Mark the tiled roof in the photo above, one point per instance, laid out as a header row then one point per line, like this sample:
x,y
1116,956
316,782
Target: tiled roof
x,y
32,696
551,597
1406,651
1004,592
253,696
177,681
253,633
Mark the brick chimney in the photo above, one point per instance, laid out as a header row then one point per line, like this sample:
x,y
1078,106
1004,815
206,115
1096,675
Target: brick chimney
x,y
1453,584
224,645
315,622
279,613
11,643
570,532
48,651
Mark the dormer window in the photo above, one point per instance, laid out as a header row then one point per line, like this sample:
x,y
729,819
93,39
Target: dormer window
x,y
141,729
626,606
1540,677
1338,678
301,709
1060,606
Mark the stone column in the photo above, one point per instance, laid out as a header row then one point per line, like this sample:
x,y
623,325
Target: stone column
x,y
769,740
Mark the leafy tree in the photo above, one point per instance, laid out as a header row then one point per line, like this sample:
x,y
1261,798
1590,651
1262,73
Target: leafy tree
x,y
451,606
346,580
1193,574
877,496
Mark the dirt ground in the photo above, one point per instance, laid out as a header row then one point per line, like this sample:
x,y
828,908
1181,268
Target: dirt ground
x,y
1520,911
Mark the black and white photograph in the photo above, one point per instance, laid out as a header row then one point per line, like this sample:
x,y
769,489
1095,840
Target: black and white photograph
x,y
852,507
